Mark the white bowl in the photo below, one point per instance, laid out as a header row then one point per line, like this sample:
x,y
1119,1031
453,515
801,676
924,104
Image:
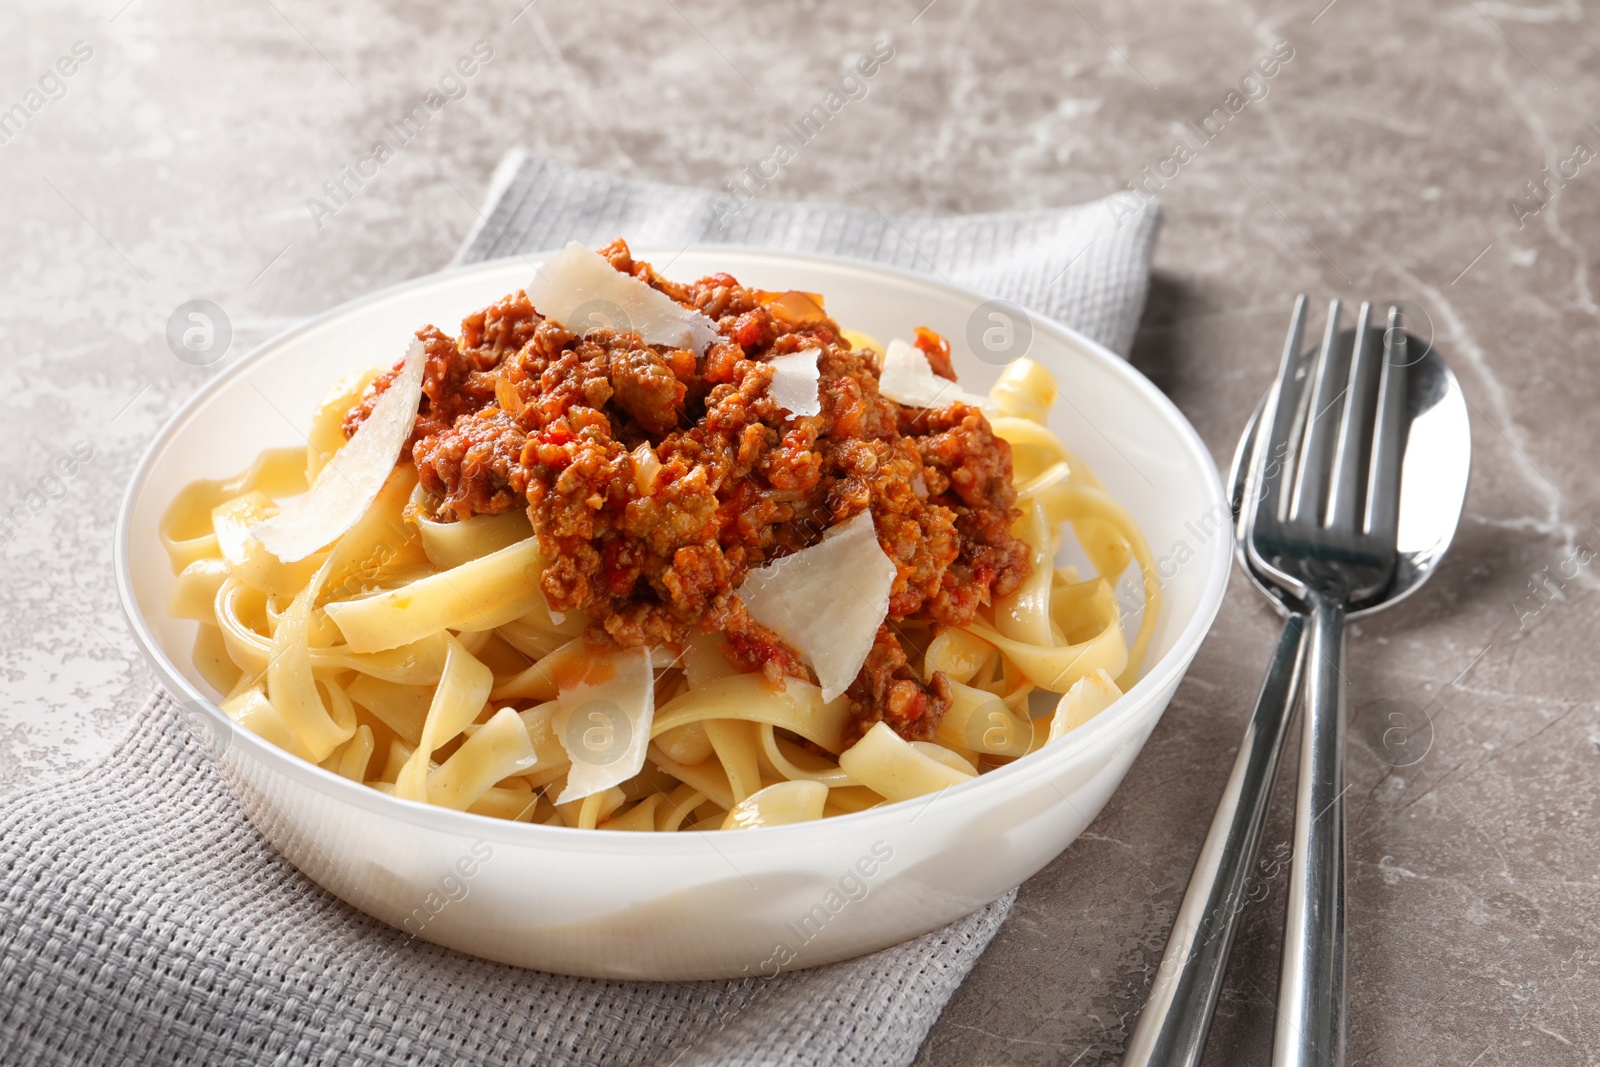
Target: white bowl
x,y
687,905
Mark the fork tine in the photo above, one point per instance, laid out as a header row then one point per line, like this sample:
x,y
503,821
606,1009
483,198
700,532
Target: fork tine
x,y
1383,478
1298,414
1313,462
1272,459
1346,480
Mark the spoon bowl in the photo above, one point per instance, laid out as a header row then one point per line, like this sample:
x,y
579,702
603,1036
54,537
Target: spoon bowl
x,y
1433,479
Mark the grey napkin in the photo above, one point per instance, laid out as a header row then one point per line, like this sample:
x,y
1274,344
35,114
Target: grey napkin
x,y
143,920
1087,266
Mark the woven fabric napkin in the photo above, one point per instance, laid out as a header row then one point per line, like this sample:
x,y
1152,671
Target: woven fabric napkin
x,y
143,920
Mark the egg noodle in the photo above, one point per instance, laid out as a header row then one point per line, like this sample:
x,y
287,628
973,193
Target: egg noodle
x,y
420,658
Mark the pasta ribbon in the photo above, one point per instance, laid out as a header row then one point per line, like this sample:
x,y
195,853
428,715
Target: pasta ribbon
x,y
248,559
798,707
185,528
979,721
459,699
292,687
735,745
478,595
252,710
498,749
897,769
788,764
450,544
1025,614
778,805
1055,667
1025,390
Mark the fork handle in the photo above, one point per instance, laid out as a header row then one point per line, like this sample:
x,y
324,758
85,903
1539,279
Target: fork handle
x,y
1310,1027
1172,1028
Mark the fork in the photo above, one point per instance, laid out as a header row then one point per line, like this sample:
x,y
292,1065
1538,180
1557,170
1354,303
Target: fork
x,y
1323,534
1307,553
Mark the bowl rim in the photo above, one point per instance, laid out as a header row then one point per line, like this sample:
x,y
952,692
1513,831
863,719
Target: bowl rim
x,y
1216,553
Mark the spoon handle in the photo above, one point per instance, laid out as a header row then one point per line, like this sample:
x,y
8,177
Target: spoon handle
x,y
1310,1028
1172,1028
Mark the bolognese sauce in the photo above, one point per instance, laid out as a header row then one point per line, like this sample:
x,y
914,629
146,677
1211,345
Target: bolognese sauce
x,y
655,479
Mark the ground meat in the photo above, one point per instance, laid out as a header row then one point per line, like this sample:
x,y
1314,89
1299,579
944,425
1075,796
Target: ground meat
x,y
759,649
522,411
500,329
644,385
472,468
889,690
968,470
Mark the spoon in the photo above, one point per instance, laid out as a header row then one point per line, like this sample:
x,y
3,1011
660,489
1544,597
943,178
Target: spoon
x,y
1435,464
1433,478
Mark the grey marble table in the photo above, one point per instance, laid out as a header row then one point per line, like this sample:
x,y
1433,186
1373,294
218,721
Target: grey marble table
x,y
1444,153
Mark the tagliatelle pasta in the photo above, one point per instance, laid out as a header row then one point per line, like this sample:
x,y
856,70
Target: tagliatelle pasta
x,y
611,583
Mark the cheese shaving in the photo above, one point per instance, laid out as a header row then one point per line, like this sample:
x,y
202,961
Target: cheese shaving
x,y
607,703
350,482
827,601
1088,697
908,379
795,379
580,290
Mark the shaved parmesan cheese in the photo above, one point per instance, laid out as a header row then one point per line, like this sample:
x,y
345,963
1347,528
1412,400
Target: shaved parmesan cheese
x,y
794,382
607,702
908,379
347,486
1088,697
580,290
826,601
